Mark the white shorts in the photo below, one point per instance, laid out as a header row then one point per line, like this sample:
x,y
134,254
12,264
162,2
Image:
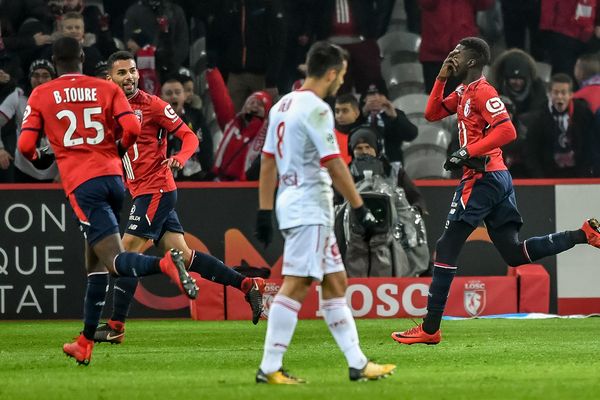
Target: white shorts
x,y
311,251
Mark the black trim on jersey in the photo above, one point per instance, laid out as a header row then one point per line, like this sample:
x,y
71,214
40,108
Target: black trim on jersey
x,y
500,122
123,114
176,129
38,130
446,108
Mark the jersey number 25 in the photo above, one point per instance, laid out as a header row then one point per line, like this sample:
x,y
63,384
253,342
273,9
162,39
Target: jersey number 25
x,y
88,123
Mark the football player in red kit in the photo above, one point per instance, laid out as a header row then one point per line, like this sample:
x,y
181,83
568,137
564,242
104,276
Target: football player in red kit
x,y
79,114
485,192
152,187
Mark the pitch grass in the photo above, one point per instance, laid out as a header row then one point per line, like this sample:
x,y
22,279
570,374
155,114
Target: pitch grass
x,y
478,359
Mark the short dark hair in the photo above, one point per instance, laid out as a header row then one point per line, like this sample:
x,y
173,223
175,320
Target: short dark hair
x,y
589,64
479,48
562,78
323,56
172,80
66,50
118,56
347,98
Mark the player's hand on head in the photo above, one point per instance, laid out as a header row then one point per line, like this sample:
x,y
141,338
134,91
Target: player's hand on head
x,y
264,227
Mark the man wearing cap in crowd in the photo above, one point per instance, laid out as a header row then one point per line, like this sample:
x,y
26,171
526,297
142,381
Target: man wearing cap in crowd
x,y
364,144
40,71
392,125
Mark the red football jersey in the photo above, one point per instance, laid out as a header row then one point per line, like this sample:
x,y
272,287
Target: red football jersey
x,y
144,168
478,109
78,113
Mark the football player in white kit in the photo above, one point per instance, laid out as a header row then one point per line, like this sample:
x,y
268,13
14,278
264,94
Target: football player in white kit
x,y
301,148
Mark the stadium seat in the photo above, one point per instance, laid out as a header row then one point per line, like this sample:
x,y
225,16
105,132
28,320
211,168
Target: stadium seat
x,y
544,71
404,78
399,47
425,163
430,136
412,104
119,43
198,55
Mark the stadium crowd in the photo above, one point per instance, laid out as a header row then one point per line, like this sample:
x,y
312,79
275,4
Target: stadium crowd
x,y
223,64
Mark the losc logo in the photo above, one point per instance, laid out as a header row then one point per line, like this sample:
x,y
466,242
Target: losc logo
x,y
474,297
494,105
271,290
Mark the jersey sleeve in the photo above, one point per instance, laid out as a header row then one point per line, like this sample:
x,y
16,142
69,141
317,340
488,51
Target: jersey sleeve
x,y
320,129
439,107
165,116
31,127
491,107
500,128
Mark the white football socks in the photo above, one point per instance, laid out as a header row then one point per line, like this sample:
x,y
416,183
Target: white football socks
x,y
283,316
340,322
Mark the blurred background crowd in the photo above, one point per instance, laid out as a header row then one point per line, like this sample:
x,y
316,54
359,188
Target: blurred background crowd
x,y
223,64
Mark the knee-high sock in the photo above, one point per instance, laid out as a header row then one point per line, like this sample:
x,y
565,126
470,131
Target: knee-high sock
x,y
136,265
539,247
340,322
95,294
438,294
283,316
123,292
213,269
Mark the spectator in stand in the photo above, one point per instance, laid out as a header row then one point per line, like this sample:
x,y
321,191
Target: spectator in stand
x,y
514,74
25,28
392,124
521,20
569,26
559,137
13,107
443,24
514,152
239,150
72,25
166,27
198,165
300,19
248,39
587,73
355,25
191,98
347,117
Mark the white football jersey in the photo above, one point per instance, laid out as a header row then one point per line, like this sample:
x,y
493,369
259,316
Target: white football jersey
x,y
301,138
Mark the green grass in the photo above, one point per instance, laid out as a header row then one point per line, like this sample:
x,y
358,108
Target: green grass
x,y
478,359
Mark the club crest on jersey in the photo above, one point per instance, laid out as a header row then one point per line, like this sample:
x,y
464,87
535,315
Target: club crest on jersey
x,y
474,297
494,105
139,115
467,108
